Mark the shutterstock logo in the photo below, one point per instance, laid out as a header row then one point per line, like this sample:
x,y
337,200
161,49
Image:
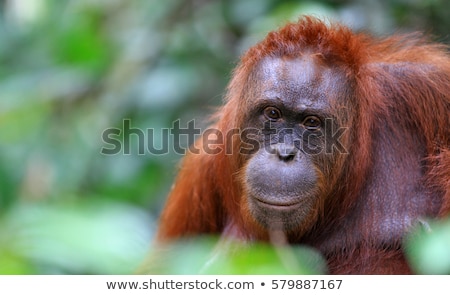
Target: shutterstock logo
x,y
179,139
147,139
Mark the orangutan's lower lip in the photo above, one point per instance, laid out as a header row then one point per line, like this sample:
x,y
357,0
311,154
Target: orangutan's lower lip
x,y
279,206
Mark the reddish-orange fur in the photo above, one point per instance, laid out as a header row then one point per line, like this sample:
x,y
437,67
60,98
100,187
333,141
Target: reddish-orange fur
x,y
402,82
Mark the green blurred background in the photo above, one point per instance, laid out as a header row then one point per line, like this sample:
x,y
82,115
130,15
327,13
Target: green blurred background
x,y
69,69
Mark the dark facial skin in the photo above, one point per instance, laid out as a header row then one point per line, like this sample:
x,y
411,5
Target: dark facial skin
x,y
283,177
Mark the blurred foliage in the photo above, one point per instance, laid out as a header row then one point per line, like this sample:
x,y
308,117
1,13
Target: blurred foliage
x,y
73,238
428,248
70,69
210,256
